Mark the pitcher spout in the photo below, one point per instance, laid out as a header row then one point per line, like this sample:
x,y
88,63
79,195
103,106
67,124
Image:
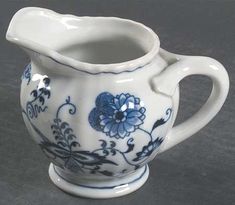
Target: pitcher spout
x,y
35,29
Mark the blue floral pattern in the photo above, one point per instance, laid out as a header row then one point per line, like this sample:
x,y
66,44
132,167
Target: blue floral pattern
x,y
63,152
39,95
117,116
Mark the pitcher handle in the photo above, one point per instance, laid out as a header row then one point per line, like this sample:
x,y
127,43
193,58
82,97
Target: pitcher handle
x,y
167,82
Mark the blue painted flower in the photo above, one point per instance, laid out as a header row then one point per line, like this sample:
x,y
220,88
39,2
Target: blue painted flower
x,y
117,116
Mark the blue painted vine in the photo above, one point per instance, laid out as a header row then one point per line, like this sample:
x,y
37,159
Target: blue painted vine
x,y
119,116
27,74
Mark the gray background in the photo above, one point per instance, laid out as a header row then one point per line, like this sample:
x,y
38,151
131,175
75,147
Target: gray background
x,y
200,170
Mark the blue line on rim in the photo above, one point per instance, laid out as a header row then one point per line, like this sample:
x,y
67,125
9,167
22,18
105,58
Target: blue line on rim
x,y
103,72
105,187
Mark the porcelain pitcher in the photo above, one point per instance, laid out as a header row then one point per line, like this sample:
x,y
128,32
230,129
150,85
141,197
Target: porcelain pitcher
x,y
100,98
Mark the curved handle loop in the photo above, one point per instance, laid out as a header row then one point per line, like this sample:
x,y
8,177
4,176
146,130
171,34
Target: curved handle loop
x,y
167,82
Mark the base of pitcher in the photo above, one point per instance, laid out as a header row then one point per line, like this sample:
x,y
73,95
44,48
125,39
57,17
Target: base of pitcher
x,y
114,188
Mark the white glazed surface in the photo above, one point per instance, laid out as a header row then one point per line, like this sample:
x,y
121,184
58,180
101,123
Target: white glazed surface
x,y
114,188
71,87
83,90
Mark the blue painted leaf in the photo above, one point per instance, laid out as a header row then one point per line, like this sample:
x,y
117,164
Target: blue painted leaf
x,y
71,136
46,81
105,152
68,131
56,132
103,143
47,93
55,127
62,144
158,123
103,99
112,144
57,120
64,125
57,137
130,145
74,144
113,151
94,119
41,99
106,173
34,93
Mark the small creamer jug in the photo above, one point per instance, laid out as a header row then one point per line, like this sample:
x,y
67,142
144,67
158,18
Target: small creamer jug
x,y
100,98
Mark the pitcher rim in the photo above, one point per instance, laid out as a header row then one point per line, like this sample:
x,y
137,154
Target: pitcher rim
x,y
125,66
